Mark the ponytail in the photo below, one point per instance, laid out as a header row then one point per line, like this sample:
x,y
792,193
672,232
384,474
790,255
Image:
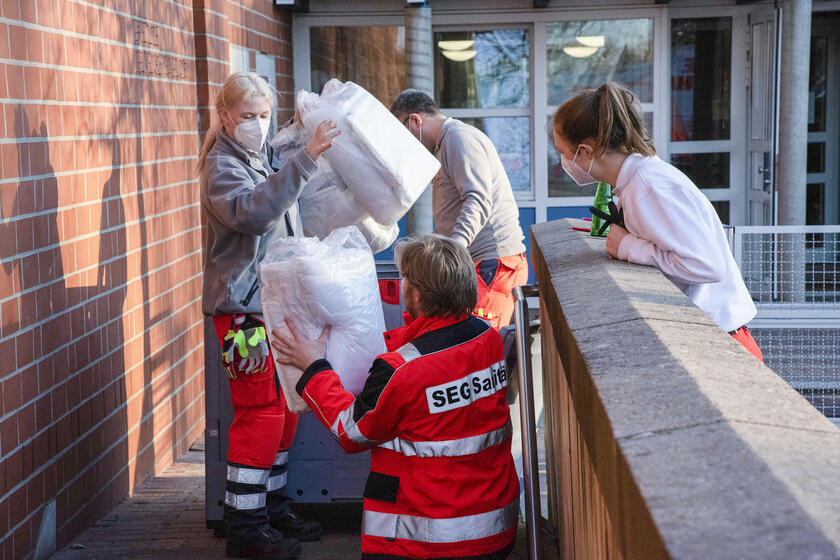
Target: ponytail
x,y
237,87
609,116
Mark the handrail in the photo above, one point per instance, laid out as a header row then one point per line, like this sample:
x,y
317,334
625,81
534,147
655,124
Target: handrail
x,y
533,515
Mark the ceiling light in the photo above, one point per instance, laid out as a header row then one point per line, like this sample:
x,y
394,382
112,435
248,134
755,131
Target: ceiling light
x,y
461,56
579,52
456,45
591,41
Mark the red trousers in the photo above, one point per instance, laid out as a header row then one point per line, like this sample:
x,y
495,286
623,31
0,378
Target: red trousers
x,y
262,422
745,337
495,300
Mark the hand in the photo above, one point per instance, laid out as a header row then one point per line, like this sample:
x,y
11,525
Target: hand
x,y
293,349
614,237
323,139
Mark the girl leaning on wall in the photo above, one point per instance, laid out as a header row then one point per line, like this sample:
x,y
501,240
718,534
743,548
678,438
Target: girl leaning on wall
x,y
249,202
668,222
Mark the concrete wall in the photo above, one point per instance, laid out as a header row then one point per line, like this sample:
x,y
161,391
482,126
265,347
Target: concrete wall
x,y
101,356
666,439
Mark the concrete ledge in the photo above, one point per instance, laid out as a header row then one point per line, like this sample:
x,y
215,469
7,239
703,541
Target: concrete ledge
x,y
699,450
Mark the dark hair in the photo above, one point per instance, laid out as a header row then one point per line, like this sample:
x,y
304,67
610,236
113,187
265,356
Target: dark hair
x,y
442,271
609,116
414,101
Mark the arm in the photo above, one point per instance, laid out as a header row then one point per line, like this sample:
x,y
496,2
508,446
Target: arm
x,y
241,205
674,234
357,422
468,166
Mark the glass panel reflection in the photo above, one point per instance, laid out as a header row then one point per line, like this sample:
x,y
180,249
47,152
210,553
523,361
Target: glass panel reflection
x,y
815,204
707,171
585,54
482,69
372,56
722,209
816,157
701,53
512,138
817,78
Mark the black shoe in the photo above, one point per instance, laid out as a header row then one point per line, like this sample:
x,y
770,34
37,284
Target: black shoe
x,y
293,526
268,544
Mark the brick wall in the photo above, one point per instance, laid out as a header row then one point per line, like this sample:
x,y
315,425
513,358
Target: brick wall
x,y
101,356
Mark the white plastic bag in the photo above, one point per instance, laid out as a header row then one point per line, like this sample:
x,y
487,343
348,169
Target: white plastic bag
x,y
379,159
326,203
318,283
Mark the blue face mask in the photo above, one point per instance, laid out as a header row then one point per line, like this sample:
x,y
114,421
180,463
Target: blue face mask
x,y
576,172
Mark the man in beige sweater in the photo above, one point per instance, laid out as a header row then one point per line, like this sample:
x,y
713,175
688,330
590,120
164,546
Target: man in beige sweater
x,y
472,200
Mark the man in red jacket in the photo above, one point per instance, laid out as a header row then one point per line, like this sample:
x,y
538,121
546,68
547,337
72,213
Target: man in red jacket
x,y
442,481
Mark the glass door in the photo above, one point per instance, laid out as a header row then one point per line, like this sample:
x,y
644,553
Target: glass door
x,y
761,116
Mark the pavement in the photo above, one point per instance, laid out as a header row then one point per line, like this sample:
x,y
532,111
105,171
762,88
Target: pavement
x,y
164,519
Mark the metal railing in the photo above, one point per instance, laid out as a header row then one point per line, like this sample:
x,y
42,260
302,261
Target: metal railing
x,y
530,472
793,275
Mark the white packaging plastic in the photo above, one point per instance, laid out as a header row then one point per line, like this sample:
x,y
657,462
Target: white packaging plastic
x,y
326,203
318,283
379,159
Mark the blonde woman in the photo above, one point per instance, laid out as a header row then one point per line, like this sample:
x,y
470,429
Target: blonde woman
x,y
669,223
248,203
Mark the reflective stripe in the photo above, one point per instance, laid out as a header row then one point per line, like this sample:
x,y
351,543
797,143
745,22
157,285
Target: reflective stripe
x,y
408,352
282,458
275,482
247,476
452,529
350,427
245,501
452,447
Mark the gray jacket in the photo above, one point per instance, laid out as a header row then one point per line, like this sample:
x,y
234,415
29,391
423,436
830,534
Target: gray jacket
x,y
472,199
247,206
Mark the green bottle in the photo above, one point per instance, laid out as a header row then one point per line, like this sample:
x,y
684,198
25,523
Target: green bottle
x,y
603,196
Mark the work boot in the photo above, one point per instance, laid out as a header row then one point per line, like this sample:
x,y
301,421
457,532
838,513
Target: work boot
x,y
268,544
290,524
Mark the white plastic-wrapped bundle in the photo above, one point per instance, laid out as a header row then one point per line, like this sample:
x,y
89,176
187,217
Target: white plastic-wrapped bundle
x,y
326,203
379,159
319,283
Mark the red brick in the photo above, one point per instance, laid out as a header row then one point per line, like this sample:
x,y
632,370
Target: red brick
x,y
34,46
25,345
29,270
23,536
35,492
8,361
9,156
11,398
14,463
26,430
28,308
17,43
4,40
32,75
11,318
25,235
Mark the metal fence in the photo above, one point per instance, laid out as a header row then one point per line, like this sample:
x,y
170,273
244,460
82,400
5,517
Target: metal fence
x,y
793,274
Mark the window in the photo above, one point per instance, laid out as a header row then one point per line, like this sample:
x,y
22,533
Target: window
x,y
482,77
371,56
585,54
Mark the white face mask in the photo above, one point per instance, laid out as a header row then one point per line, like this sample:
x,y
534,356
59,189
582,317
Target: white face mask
x,y
251,134
576,172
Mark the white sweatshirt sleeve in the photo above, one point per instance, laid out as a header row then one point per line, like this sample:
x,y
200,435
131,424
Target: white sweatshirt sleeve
x,y
670,229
